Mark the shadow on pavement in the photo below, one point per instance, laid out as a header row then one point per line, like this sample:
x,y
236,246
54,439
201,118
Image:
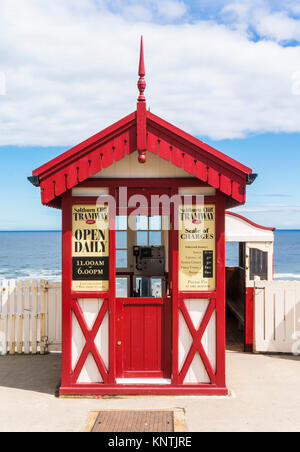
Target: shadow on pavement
x,y
31,372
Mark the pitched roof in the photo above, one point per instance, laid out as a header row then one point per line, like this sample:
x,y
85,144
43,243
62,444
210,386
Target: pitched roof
x,y
163,139
142,131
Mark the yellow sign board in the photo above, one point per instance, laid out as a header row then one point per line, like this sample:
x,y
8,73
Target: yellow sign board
x,y
197,248
90,248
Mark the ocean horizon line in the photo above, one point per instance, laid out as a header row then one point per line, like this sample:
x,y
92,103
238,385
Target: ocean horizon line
x,y
29,230
60,230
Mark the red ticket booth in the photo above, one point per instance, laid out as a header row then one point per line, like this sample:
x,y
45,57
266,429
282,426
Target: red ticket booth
x,y
143,227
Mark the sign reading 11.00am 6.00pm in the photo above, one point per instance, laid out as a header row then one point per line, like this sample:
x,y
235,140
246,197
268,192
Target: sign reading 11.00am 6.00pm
x,y
90,248
197,248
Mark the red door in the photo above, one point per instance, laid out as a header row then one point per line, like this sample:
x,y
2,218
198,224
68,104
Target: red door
x,y
144,329
144,321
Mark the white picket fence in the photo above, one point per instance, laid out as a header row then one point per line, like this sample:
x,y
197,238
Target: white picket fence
x,y
277,317
30,317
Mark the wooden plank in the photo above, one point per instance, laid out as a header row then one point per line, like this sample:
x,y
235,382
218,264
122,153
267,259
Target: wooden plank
x,y
290,311
269,316
34,315
58,337
12,308
42,315
259,320
26,317
51,313
19,318
280,319
296,345
4,319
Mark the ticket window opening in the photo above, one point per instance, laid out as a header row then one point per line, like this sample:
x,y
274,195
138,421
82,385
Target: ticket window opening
x,y
141,258
149,271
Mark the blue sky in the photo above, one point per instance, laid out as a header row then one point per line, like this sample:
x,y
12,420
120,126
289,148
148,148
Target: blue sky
x,y
226,71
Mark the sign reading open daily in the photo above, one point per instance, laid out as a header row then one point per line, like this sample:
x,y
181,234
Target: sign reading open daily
x,y
90,248
197,248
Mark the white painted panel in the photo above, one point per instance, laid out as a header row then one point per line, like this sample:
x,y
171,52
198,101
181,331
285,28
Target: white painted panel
x,y
209,342
78,341
197,310
102,341
90,372
4,317
90,308
185,340
277,316
194,191
239,230
89,191
143,381
129,167
197,372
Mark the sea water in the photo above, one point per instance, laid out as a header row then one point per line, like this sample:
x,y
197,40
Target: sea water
x,y
37,255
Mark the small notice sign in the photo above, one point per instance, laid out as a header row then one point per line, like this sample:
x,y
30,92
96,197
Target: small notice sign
x,y
90,248
197,248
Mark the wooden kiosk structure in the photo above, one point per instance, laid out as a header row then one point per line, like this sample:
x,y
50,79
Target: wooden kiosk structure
x,y
143,289
255,263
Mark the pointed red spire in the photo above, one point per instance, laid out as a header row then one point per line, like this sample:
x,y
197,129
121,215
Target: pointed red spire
x,y
142,71
142,83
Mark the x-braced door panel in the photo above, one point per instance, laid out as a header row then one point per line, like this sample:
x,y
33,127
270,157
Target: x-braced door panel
x,y
90,341
197,341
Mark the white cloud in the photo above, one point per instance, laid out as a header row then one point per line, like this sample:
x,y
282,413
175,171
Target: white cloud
x,y
275,20
171,9
279,26
71,70
2,84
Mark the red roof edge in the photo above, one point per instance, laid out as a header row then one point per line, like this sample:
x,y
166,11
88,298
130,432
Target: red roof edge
x,y
233,214
200,144
84,146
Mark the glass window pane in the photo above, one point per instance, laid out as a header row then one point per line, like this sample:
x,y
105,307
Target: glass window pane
x,y
121,258
155,223
122,287
142,238
121,239
258,264
155,238
156,287
121,223
141,223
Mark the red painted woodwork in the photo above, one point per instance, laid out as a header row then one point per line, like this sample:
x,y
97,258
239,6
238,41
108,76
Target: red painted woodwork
x,y
249,319
142,130
143,338
167,311
197,344
99,389
141,113
147,330
90,346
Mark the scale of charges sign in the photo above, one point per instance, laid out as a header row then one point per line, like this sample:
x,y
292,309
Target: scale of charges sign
x,y
90,248
197,248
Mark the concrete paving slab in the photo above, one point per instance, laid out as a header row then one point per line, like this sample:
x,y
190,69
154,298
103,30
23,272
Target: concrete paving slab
x,y
266,397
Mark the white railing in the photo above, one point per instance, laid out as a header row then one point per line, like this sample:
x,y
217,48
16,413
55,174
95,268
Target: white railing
x,y
277,317
30,317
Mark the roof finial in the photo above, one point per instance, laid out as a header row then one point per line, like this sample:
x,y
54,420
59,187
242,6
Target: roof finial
x,y
142,83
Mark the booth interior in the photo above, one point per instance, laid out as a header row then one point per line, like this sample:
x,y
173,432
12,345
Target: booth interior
x,y
249,259
141,256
